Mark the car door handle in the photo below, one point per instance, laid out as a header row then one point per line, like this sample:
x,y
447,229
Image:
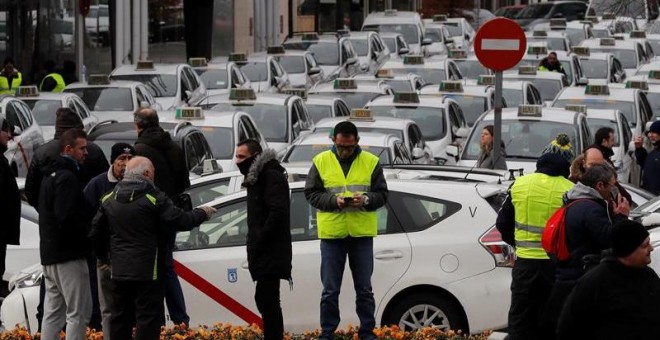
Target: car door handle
x,y
244,265
388,255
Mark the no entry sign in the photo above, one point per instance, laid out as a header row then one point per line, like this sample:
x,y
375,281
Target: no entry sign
x,y
500,44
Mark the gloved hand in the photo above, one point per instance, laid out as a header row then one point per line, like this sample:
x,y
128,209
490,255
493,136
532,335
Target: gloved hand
x,y
209,211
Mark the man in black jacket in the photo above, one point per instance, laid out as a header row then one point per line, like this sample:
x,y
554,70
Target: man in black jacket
x,y
64,246
650,161
269,232
10,205
172,178
619,298
132,226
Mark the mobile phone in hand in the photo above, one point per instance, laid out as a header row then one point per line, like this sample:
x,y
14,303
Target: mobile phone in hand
x,y
348,199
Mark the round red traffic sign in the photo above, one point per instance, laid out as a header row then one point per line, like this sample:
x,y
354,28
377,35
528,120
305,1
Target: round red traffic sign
x,y
500,44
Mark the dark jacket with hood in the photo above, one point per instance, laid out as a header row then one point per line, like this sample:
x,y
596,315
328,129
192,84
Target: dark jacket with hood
x,y
269,230
10,204
168,159
650,163
588,230
63,220
613,301
97,188
133,224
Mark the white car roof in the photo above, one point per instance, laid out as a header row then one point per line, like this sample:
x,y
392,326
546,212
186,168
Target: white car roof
x,y
113,84
48,96
541,74
596,56
424,101
550,114
594,43
158,69
468,90
211,118
428,63
366,138
616,94
378,122
262,98
320,100
362,87
601,114
377,18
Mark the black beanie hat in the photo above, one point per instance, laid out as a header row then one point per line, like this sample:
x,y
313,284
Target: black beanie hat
x,y
626,237
119,149
66,119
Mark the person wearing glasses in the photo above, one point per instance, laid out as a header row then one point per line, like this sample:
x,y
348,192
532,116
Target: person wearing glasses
x,y
346,184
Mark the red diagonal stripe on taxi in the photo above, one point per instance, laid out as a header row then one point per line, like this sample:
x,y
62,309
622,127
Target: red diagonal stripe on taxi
x,y
216,294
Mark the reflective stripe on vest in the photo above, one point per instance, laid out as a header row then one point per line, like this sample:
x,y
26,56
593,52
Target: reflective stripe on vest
x,y
349,221
535,198
15,83
58,79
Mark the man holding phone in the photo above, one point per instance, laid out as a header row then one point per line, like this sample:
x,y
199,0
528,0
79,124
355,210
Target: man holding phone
x,y
650,161
346,184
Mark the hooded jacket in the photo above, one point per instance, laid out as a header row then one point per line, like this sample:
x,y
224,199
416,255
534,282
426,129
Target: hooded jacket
x,y
10,204
133,224
63,221
650,163
269,231
588,229
168,159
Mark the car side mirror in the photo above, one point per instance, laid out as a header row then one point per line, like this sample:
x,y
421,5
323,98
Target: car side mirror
x,y
426,41
449,41
314,70
582,82
186,95
417,153
17,131
185,202
452,151
462,133
404,50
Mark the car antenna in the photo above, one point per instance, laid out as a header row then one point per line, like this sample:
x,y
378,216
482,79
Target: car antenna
x,y
389,164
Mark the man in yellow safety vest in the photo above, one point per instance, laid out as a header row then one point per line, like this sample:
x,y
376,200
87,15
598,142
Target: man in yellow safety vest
x,y
346,184
10,78
53,81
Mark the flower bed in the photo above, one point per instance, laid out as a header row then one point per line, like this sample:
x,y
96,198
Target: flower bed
x,y
227,331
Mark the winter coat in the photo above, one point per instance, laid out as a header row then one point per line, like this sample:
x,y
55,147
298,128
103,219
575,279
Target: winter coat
x,y
95,163
63,220
97,188
133,225
269,230
486,160
10,205
650,162
171,172
613,301
588,230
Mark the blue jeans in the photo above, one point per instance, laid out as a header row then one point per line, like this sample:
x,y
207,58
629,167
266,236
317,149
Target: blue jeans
x,y
360,252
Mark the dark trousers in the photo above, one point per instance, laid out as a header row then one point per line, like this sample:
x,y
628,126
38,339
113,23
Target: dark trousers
x,y
360,253
4,291
139,301
176,304
558,296
267,297
531,284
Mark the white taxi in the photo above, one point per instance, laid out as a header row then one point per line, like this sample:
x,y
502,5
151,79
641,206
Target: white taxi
x,y
468,64
460,31
301,66
320,107
549,84
600,66
354,93
555,40
334,53
395,43
399,82
219,76
263,70
24,130
472,99
408,24
516,93
432,70
441,42
371,50
569,62
630,53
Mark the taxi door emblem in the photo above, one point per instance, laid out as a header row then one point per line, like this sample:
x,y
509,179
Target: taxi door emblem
x,y
232,275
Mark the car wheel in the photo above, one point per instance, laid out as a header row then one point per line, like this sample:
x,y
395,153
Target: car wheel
x,y
425,310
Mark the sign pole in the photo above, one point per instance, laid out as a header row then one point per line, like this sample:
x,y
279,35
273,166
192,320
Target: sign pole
x,y
497,126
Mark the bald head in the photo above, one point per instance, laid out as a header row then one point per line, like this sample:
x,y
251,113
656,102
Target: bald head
x,y
140,166
593,156
145,117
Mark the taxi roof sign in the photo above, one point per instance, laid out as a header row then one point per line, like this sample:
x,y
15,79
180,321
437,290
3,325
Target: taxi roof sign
x,y
275,49
530,111
455,53
592,18
197,62
576,108
618,37
144,65
451,86
597,90
385,73
638,34
558,22
238,57
527,70
345,84
361,114
413,60
242,94
538,49
581,51
189,113
637,84
27,91
486,79
302,93
587,22
654,74
440,18
406,97
391,12
607,42
343,33
539,33
98,79
310,36
609,16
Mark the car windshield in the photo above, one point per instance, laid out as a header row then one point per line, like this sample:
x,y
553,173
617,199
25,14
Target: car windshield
x,y
547,87
535,11
318,112
325,53
627,108
555,44
596,123
633,9
654,100
471,68
292,64
433,33
221,140
523,139
431,76
399,85
594,69
160,85
106,98
409,31
431,120
454,29
305,153
361,46
391,44
393,132
512,97
531,61
354,100
628,58
255,71
471,106
655,44
270,119
600,32
576,35
213,79
44,110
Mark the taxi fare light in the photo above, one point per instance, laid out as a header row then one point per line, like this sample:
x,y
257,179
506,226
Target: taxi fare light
x,y
302,93
440,18
527,70
98,79
609,16
582,51
638,34
607,42
362,114
413,60
654,74
275,50
384,73
558,22
451,86
144,65
391,12
540,34
343,33
189,113
238,57
597,90
345,84
618,37
242,94
197,62
486,80
637,84
27,91
310,36
576,108
529,111
457,54
406,97
537,50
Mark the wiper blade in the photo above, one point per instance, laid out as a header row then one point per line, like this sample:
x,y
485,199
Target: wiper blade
x,y
521,157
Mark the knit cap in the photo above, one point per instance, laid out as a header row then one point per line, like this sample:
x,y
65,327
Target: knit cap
x,y
561,146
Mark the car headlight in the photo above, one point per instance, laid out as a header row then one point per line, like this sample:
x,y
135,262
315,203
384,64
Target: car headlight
x,y
29,277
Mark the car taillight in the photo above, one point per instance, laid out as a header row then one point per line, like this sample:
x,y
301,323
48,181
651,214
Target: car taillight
x,y
504,254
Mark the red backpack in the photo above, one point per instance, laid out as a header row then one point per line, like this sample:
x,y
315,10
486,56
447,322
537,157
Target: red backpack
x,y
554,235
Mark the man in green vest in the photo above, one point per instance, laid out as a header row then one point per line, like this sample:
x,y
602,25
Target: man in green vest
x,y
10,78
551,64
346,184
532,199
53,81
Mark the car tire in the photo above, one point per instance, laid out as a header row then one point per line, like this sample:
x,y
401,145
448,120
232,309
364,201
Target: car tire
x,y
426,309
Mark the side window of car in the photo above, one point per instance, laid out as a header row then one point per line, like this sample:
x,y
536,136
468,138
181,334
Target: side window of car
x,y
417,213
192,158
305,121
202,147
586,134
83,107
14,118
627,134
194,83
208,192
242,132
536,95
250,130
147,95
139,98
227,228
